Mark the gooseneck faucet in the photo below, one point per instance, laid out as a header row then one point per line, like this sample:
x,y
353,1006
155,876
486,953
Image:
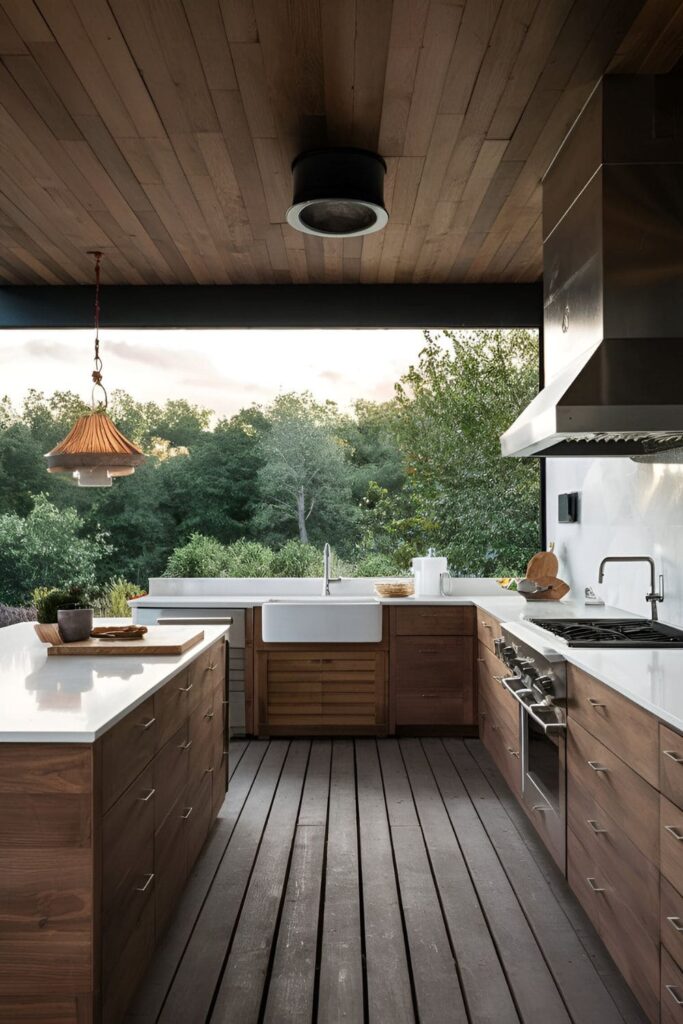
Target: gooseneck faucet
x,y
653,597
327,579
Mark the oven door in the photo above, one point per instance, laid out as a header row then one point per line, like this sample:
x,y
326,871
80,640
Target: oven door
x,y
543,756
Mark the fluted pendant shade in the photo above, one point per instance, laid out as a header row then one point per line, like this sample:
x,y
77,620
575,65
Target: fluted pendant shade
x,y
94,452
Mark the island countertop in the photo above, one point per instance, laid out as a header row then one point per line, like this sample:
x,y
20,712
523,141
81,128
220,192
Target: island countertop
x,y
76,700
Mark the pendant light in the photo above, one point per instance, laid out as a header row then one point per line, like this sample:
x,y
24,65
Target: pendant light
x,y
95,451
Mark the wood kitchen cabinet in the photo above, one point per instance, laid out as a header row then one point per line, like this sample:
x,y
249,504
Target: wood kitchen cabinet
x,y
613,838
96,845
431,654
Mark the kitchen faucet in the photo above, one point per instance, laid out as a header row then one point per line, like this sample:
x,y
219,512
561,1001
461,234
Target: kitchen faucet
x,y
327,579
653,597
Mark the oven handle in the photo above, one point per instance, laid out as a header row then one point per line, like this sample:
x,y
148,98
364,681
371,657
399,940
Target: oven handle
x,y
546,726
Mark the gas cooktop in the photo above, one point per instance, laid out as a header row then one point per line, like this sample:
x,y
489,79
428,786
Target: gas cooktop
x,y
612,632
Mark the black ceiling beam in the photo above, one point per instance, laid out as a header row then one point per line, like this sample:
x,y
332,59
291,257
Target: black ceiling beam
x,y
276,306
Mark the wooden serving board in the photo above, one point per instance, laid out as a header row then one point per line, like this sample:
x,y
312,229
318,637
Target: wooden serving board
x,y
542,564
158,640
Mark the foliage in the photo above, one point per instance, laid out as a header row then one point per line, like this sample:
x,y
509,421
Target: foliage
x,y
201,556
248,558
297,559
49,601
46,548
9,616
113,601
377,565
482,510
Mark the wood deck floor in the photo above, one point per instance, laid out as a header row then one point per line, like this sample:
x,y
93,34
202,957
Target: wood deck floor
x,y
387,881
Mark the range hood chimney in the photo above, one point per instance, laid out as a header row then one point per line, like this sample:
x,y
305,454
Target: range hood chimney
x,y
613,280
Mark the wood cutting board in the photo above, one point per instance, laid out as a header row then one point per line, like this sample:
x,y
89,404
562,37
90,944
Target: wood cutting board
x,y
558,589
542,564
158,640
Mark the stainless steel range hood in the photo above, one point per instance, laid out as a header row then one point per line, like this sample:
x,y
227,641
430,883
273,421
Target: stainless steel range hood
x,y
613,280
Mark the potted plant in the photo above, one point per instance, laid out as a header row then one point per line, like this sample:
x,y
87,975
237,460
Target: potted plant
x,y
71,609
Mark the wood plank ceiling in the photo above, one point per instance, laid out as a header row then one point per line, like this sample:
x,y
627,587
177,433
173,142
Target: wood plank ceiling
x,y
162,131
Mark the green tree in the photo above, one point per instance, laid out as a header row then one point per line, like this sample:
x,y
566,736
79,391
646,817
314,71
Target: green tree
x,y
46,549
481,510
305,482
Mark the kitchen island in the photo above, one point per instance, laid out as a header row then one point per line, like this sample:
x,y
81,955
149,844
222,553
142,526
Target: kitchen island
x,y
112,770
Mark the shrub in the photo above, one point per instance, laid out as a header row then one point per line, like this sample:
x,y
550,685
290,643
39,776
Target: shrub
x,y
377,565
9,616
297,559
48,602
248,558
201,556
113,602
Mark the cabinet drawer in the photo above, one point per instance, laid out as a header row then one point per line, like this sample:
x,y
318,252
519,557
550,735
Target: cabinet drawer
x,y
127,863
671,920
208,670
197,817
603,884
499,700
126,749
173,704
434,620
502,744
201,730
170,771
623,727
671,764
121,976
170,863
671,842
672,991
486,659
613,786
434,681
488,628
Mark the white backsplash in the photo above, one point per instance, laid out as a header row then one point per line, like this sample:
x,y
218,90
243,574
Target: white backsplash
x,y
625,508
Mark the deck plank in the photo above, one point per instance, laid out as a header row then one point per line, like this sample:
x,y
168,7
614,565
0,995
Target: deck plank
x,y
388,980
192,991
246,970
340,996
292,983
435,976
482,977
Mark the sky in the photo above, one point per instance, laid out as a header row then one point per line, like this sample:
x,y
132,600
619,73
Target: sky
x,y
221,370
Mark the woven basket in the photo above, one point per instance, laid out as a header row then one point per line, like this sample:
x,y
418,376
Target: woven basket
x,y
406,589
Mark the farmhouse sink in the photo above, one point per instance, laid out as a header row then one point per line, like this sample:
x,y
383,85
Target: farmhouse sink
x,y
323,620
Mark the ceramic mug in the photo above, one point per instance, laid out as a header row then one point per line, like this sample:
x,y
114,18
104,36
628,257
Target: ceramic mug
x,y
74,623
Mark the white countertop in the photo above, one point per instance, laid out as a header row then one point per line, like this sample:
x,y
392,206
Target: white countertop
x,y
76,699
650,677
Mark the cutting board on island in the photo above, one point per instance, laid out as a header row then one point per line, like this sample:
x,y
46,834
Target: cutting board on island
x,y
159,640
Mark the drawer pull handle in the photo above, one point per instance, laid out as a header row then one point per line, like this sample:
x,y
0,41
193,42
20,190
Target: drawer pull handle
x,y
486,625
595,703
597,767
673,992
148,796
145,887
208,771
513,753
678,758
594,886
185,746
186,814
212,667
481,660
539,807
146,725
209,714
674,832
225,702
185,689
675,923
595,826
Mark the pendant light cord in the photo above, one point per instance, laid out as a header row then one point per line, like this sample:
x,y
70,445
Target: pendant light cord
x,y
97,372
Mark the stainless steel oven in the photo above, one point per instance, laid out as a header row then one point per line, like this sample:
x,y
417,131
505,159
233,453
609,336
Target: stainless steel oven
x,y
538,682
